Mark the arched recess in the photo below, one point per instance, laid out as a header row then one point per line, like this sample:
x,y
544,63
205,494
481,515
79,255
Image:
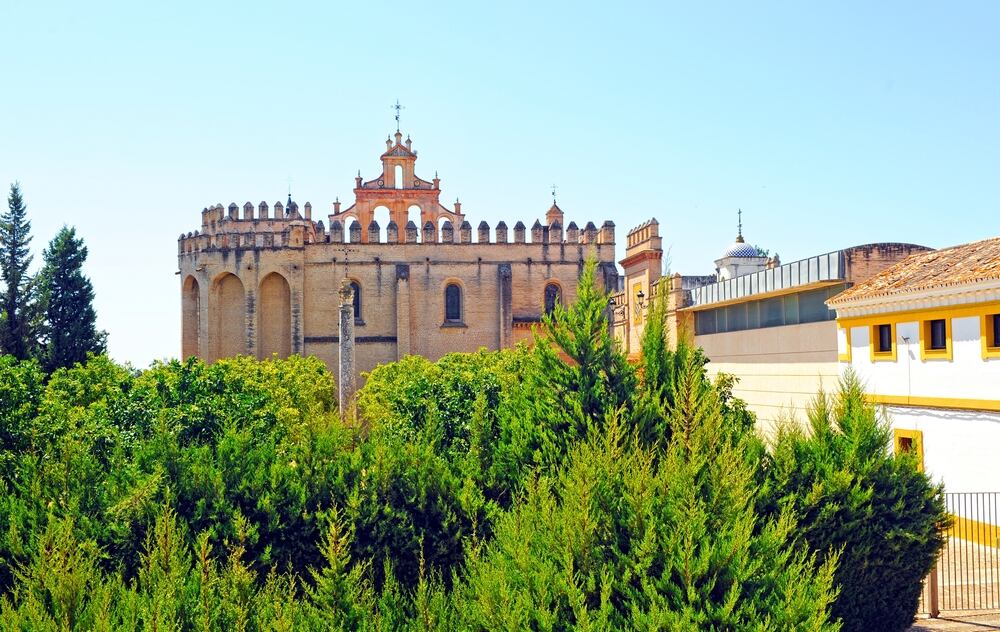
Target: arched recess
x,y
191,318
551,297
227,317
454,303
275,317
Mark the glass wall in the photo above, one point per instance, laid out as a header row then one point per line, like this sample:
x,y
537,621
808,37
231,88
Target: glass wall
x,y
791,309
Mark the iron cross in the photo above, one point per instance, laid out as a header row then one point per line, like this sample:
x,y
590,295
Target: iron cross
x,y
398,107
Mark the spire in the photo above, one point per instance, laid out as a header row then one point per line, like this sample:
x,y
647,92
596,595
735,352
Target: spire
x,y
739,226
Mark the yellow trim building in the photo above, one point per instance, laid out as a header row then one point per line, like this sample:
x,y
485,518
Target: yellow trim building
x,y
940,384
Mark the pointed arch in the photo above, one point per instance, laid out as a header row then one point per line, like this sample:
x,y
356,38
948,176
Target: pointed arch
x,y
275,317
191,318
228,317
552,296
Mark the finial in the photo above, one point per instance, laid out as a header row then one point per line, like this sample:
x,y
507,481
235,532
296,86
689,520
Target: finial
x,y
739,225
398,107
435,173
359,173
554,187
337,199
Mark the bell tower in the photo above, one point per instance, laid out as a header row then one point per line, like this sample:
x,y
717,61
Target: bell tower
x,y
397,188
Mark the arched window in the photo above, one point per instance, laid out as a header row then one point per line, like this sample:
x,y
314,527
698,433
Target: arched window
x,y
453,303
552,297
357,300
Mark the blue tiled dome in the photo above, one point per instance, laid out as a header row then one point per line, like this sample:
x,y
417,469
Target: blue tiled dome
x,y
740,249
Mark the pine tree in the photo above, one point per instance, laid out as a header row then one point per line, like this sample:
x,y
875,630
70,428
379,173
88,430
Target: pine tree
x,y
68,297
18,308
579,359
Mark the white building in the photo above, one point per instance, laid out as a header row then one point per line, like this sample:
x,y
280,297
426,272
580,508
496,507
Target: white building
x,y
924,337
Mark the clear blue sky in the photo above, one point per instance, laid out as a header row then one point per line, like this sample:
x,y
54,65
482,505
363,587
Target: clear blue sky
x,y
830,126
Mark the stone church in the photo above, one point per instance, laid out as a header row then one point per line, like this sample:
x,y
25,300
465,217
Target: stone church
x,y
260,281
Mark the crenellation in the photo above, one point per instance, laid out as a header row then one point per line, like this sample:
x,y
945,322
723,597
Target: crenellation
x,y
392,233
411,232
589,233
430,233
447,233
234,211
262,210
607,234
355,232
572,233
373,232
483,235
519,232
336,231
555,232
465,232
536,232
502,232
248,212
308,208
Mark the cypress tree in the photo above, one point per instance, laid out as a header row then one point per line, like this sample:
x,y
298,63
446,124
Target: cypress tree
x,y
68,297
18,309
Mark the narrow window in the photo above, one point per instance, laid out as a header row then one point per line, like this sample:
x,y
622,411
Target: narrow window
x,y
357,300
885,338
937,334
551,297
453,303
910,442
399,177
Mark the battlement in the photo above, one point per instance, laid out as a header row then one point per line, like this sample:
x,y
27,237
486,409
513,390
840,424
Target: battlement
x,y
642,233
226,227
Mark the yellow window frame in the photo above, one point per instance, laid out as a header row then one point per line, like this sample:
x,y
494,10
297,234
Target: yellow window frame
x,y
916,438
882,356
926,353
846,356
985,331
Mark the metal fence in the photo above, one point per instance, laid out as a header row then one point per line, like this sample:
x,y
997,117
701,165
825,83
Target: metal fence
x,y
967,574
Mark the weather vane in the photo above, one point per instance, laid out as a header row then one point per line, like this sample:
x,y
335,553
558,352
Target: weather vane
x,y
554,187
398,107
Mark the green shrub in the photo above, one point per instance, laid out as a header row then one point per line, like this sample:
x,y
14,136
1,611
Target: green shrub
x,y
853,497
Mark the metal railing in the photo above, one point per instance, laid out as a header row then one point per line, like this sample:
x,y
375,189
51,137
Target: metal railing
x,y
967,573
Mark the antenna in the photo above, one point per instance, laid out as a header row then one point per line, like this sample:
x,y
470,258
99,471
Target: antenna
x,y
398,107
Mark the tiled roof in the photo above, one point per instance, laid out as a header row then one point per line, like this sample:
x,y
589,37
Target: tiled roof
x,y
958,265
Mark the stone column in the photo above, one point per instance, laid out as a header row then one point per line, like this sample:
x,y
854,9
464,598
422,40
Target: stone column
x,y
402,310
346,382
506,311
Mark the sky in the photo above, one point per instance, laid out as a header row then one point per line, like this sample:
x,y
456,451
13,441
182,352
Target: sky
x,y
829,124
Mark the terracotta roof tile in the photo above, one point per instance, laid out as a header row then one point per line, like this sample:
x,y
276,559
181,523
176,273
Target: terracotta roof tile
x,y
958,265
